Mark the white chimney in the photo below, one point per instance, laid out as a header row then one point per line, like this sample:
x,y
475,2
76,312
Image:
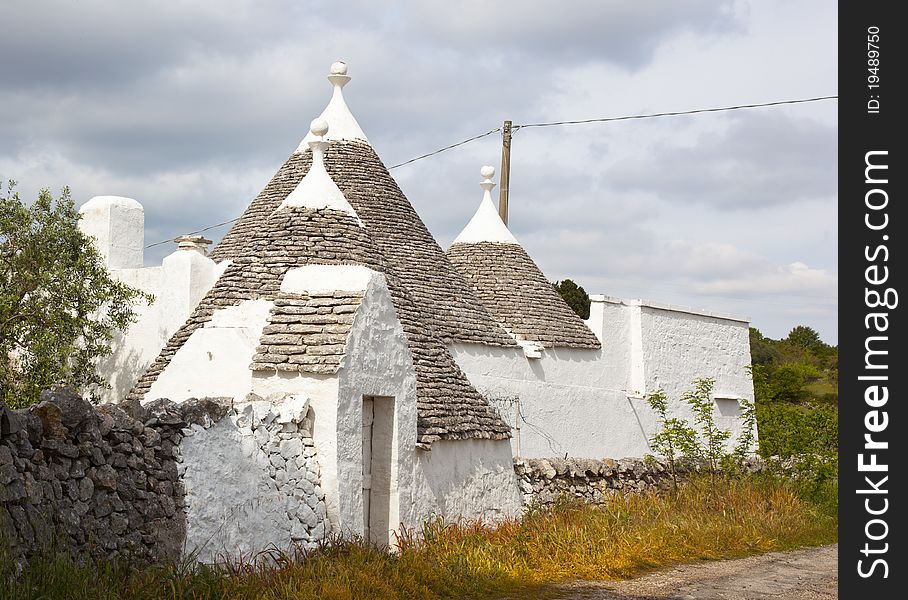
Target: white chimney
x,y
117,225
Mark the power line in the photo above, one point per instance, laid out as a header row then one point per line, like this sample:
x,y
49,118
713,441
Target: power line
x,y
552,124
440,150
406,162
675,113
194,232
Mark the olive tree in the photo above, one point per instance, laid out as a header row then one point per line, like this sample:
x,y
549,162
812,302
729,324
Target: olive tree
x,y
59,305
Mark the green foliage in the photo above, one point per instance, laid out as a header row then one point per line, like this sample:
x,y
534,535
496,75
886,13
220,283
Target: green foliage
x,y
705,442
675,438
762,351
797,369
805,337
789,382
575,297
787,430
795,384
712,438
59,306
744,446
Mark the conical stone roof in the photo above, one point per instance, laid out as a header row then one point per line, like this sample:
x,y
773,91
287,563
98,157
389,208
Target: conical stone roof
x,y
510,285
433,302
443,298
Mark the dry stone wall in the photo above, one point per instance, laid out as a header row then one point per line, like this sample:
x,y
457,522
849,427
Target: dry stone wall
x,y
124,480
93,480
543,481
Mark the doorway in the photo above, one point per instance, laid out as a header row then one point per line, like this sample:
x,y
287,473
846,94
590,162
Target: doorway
x,y
378,434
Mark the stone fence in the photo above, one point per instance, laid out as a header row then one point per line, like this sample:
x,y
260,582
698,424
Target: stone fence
x,y
543,481
124,480
95,480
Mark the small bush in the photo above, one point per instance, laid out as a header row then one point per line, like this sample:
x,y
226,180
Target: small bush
x,y
787,430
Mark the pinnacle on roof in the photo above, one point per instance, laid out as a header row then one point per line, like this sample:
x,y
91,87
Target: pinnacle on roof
x,y
434,304
316,189
341,121
511,286
486,225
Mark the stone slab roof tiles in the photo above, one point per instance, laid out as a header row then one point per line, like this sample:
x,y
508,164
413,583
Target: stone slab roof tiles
x,y
443,298
306,333
267,244
519,296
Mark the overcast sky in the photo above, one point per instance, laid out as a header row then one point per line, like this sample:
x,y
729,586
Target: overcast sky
x,y
190,107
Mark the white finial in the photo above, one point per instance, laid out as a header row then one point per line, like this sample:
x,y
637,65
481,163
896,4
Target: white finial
x,y
487,184
486,225
343,125
318,127
487,172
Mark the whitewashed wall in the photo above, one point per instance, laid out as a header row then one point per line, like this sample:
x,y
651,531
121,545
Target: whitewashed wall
x,y
471,479
572,400
252,481
377,363
589,403
184,277
679,346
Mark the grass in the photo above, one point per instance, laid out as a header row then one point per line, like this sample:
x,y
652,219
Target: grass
x,y
621,539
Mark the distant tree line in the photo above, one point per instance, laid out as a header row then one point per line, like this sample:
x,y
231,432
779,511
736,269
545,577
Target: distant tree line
x,y
796,369
796,382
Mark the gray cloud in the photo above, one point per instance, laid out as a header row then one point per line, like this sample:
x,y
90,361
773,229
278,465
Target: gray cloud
x,y
624,34
190,107
763,158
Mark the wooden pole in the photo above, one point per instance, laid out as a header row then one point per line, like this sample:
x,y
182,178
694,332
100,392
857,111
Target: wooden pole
x,y
505,171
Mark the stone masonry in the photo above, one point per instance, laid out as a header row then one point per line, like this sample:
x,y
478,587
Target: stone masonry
x,y
543,481
94,480
111,480
251,472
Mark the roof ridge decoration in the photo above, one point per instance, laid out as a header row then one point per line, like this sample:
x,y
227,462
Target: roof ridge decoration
x,y
316,189
486,224
337,114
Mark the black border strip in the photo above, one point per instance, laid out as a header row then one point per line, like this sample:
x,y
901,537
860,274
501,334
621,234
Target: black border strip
x,y
871,262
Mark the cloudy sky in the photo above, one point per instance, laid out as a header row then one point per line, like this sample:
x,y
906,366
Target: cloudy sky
x,y
190,107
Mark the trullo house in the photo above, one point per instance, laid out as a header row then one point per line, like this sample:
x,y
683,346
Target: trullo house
x,y
372,379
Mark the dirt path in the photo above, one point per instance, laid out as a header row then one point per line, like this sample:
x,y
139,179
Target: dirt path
x,y
806,574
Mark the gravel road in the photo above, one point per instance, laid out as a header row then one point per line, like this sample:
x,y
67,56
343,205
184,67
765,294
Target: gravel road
x,y
805,574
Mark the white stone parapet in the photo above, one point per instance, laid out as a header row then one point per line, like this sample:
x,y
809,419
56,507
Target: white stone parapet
x,y
116,225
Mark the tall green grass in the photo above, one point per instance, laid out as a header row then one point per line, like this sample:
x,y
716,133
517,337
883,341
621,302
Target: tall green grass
x,y
622,538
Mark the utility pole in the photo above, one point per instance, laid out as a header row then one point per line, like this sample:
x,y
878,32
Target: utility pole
x,y
505,171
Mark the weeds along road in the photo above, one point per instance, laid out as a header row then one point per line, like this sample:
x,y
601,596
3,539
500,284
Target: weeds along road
x,y
805,574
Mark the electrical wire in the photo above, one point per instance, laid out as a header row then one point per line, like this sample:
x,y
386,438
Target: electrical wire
x,y
672,113
515,128
170,241
440,150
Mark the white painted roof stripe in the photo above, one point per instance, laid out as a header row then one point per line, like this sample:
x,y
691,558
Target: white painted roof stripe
x,y
486,225
317,189
310,279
